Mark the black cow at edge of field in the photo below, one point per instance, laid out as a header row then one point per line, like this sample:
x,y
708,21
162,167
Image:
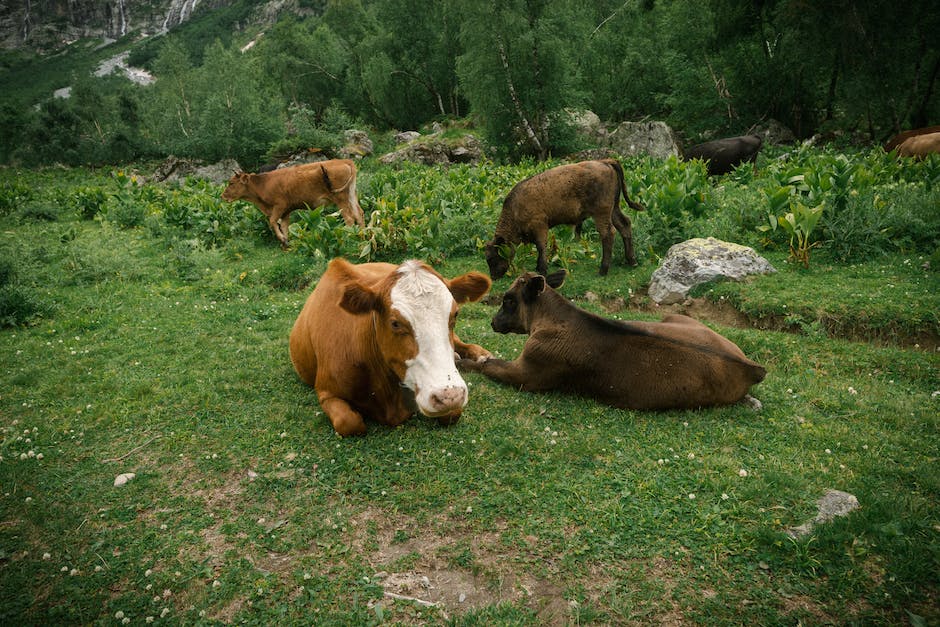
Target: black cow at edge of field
x,y
724,155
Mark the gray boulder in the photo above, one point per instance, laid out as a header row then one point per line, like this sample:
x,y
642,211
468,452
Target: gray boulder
x,y
833,504
406,136
701,260
175,170
644,138
358,145
773,132
438,151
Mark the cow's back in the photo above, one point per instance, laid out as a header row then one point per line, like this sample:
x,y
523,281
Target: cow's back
x,y
561,194
677,363
325,335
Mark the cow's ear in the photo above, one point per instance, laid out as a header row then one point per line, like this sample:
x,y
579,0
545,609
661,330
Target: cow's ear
x,y
360,300
534,285
556,279
469,287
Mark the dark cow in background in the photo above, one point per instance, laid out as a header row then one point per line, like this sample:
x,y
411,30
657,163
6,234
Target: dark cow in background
x,y
377,340
566,194
900,138
919,146
678,363
279,192
724,155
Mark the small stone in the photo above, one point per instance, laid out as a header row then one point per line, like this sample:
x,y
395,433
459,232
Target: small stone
x,y
123,478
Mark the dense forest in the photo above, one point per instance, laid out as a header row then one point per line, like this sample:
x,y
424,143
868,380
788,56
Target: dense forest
x,y
229,85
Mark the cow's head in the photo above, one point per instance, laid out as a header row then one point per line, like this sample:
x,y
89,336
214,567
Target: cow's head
x,y
514,314
413,315
499,254
237,187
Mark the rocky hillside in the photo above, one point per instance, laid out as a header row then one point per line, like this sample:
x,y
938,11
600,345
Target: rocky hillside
x,y
49,24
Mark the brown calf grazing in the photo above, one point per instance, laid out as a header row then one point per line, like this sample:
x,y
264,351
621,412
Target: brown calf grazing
x,y
678,363
377,340
567,194
900,138
279,192
724,155
920,146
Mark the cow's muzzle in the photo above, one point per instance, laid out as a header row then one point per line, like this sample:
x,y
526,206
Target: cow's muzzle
x,y
445,404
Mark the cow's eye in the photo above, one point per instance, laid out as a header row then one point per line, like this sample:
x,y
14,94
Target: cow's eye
x,y
397,326
509,304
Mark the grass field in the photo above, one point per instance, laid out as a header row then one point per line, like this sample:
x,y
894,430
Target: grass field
x,y
147,352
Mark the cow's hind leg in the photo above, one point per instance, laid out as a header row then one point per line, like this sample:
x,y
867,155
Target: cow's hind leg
x,y
345,420
625,228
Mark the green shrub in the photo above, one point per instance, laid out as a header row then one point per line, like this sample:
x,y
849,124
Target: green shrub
x,y
13,194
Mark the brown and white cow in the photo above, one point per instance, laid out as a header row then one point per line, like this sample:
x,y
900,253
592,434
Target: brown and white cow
x,y
678,363
377,340
279,192
566,194
920,146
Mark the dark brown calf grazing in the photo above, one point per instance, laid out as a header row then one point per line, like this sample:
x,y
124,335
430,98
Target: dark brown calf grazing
x,y
678,363
900,138
724,155
279,192
377,340
920,146
567,194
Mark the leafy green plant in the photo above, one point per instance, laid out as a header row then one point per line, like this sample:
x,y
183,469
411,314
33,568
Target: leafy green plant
x,y
798,224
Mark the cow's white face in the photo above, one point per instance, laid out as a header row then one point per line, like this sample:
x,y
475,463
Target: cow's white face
x,y
425,302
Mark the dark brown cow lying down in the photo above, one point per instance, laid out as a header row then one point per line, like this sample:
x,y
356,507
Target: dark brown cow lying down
x,y
678,363
279,192
377,340
567,194
920,146
900,138
724,155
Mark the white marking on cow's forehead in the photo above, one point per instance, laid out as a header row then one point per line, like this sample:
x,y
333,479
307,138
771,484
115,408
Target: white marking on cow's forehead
x,y
420,295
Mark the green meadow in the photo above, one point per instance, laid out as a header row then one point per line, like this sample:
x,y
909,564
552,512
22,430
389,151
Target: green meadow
x,y
143,329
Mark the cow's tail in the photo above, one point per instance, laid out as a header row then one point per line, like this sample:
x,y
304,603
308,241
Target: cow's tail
x,y
329,183
623,186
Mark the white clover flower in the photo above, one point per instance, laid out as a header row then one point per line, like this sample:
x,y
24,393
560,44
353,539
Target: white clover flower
x,y
98,568
724,496
742,473
691,455
691,496
852,390
828,452
660,461
164,612
216,584
73,572
148,572
46,556
119,615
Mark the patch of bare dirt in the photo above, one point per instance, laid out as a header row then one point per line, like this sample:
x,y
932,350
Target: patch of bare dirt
x,y
431,579
724,314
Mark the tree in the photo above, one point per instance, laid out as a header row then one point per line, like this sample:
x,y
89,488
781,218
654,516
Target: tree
x,y
518,69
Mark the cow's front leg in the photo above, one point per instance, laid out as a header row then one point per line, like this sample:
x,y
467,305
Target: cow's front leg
x,y
510,372
470,351
541,242
345,420
274,221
